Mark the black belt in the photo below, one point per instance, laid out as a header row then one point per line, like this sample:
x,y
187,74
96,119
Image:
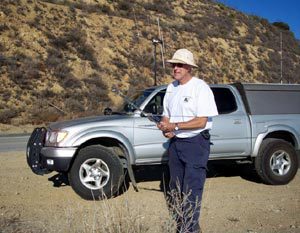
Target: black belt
x,y
205,134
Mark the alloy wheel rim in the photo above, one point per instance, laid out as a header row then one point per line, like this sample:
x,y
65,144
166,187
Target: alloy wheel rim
x,y
94,173
280,163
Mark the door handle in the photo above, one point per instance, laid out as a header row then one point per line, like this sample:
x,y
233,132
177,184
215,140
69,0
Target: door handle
x,y
237,121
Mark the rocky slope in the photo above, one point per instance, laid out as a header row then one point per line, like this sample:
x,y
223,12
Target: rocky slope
x,y
69,53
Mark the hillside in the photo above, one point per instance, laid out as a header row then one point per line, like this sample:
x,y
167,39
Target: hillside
x,y
70,53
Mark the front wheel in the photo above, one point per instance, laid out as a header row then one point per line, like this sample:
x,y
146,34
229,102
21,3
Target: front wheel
x,y
276,162
96,173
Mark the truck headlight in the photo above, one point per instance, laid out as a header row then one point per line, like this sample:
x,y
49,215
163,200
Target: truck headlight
x,y
56,136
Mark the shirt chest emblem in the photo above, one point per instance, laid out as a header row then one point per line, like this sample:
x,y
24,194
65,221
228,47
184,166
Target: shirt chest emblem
x,y
186,99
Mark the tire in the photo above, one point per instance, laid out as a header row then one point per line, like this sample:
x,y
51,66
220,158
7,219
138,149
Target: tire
x,y
96,173
276,162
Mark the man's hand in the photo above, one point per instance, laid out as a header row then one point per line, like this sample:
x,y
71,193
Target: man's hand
x,y
168,134
166,126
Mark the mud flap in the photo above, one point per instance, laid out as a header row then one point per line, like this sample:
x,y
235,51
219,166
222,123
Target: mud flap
x,y
34,146
129,169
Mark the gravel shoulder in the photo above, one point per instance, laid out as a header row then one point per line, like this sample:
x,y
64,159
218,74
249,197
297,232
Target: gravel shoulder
x,y
234,201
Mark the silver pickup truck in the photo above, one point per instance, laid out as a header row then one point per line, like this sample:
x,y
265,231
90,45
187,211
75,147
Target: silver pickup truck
x,y
259,123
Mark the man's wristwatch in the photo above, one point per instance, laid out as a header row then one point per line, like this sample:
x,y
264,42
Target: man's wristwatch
x,y
176,127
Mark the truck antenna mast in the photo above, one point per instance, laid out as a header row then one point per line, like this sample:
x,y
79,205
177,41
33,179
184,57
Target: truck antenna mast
x,y
155,42
281,79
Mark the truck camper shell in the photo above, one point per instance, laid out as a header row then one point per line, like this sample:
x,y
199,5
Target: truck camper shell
x,y
268,99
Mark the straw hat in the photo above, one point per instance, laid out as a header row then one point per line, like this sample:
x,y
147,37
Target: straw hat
x,y
183,56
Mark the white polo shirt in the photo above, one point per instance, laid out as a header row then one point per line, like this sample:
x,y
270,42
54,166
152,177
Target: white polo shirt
x,y
185,102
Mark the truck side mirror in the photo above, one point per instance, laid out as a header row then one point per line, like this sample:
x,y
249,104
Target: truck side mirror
x,y
129,108
151,108
107,111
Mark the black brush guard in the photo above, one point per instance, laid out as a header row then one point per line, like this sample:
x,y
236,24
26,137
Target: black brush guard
x,y
34,147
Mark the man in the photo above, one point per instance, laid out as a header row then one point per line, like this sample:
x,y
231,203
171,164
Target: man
x,y
189,106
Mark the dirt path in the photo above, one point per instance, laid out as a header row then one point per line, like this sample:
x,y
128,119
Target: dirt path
x,y
30,203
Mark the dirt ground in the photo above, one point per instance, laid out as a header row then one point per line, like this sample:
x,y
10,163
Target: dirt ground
x,y
234,201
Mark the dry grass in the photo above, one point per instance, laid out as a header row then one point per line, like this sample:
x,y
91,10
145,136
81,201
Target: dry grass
x,y
125,215
112,216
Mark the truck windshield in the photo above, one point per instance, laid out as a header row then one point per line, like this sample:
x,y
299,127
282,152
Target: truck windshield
x,y
136,100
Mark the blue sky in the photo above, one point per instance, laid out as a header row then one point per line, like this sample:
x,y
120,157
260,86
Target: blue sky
x,y
287,11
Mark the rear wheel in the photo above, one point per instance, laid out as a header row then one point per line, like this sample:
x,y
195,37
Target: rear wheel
x,y
276,162
96,173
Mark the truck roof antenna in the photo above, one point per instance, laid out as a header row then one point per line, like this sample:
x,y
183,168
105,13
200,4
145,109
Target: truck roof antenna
x,y
162,45
158,41
155,42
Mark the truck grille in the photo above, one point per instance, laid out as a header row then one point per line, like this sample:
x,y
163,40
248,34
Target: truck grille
x,y
34,146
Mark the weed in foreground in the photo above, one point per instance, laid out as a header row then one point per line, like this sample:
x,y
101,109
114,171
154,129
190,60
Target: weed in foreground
x,y
182,209
127,214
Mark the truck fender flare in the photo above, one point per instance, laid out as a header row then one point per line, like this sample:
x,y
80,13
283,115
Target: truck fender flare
x,y
108,134
272,129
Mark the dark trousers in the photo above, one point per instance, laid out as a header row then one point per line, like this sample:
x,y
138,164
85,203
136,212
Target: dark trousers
x,y
188,164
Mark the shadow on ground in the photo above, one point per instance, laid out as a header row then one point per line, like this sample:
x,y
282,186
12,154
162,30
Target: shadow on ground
x,y
161,173
215,169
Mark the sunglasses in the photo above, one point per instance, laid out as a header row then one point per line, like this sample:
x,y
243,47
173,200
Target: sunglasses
x,y
179,65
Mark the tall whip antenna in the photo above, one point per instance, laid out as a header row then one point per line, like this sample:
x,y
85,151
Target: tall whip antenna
x,y
281,79
162,45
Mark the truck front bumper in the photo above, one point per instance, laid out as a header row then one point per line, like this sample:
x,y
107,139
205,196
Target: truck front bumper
x,y
43,159
57,159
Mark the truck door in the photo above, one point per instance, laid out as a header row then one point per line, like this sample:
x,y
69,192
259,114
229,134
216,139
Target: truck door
x,y
149,143
231,135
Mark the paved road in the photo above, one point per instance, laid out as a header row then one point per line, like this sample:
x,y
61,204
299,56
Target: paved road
x,y
13,142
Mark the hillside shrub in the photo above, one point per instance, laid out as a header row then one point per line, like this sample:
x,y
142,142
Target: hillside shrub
x,y
141,59
7,114
249,67
6,94
57,63
83,6
71,82
43,114
119,63
22,10
11,2
243,48
96,80
47,94
23,70
62,71
96,91
159,6
7,11
2,49
282,25
3,27
124,5
105,33
74,105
